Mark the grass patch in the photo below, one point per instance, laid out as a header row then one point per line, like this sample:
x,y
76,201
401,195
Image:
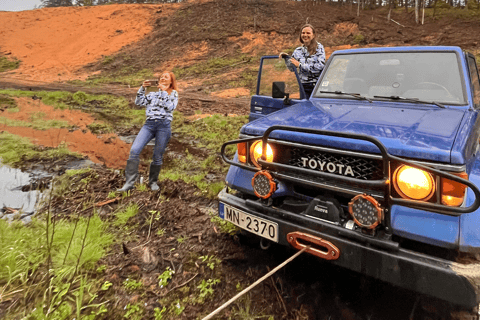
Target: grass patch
x,y
195,170
7,64
124,215
73,181
44,266
127,76
247,79
100,128
213,65
37,122
6,102
113,110
14,150
211,131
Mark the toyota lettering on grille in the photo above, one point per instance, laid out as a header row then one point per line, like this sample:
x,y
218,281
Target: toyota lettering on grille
x,y
325,166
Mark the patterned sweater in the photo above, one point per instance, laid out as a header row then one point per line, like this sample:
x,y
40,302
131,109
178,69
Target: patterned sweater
x,y
159,104
310,65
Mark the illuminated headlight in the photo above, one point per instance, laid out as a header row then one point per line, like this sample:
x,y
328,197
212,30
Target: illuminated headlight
x,y
263,184
366,211
256,152
413,183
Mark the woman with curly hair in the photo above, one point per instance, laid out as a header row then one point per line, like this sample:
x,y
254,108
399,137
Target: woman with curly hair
x,y
159,107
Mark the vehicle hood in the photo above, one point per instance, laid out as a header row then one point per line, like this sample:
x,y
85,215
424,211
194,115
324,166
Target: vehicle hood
x,y
406,130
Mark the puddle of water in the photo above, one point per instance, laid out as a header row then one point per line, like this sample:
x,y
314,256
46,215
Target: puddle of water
x,y
11,194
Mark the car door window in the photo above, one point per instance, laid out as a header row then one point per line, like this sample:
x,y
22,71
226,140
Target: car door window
x,y
274,70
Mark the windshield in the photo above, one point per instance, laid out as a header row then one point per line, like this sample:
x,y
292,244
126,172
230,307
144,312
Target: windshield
x,y
429,76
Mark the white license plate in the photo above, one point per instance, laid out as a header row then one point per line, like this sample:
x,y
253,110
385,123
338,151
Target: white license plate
x,y
256,225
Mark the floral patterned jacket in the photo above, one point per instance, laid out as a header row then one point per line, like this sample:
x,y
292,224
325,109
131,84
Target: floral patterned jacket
x,y
310,65
159,104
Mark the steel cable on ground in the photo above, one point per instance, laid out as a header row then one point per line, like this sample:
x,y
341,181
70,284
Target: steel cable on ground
x,y
226,304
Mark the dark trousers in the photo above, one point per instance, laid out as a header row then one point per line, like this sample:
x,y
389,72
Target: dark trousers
x,y
308,88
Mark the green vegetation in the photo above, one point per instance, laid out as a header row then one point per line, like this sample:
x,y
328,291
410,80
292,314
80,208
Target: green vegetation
x,y
124,215
358,38
14,150
206,288
73,181
114,111
243,309
100,128
213,65
37,122
134,311
47,266
8,64
165,277
211,131
7,102
210,261
247,79
132,285
127,76
192,170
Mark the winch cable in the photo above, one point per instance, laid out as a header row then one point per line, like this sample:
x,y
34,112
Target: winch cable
x,y
254,284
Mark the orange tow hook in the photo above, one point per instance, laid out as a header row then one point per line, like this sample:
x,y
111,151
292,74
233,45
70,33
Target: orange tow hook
x,y
318,247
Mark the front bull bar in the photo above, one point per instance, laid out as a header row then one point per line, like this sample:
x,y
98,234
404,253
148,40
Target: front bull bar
x,y
383,183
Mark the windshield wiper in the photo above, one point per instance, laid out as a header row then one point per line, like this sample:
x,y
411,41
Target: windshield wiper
x,y
438,104
356,95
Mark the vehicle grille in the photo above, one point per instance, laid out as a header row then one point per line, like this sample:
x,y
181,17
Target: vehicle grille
x,y
363,168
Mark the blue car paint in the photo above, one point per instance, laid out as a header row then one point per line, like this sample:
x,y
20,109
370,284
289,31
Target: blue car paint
x,y
469,237
414,131
428,227
406,130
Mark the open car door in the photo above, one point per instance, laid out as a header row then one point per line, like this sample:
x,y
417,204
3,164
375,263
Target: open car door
x,y
277,88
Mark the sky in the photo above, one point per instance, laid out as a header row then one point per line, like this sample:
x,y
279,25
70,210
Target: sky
x,y
18,5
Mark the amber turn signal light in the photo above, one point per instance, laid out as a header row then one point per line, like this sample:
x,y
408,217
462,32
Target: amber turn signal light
x,y
453,192
242,152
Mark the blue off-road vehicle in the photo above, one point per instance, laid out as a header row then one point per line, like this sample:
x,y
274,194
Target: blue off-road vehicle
x,y
377,172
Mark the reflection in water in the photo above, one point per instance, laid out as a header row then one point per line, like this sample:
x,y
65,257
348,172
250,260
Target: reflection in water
x,y
11,194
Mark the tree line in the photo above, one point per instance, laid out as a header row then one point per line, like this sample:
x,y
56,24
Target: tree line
x,y
366,4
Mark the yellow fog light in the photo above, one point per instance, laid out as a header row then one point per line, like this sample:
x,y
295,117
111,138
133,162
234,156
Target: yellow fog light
x,y
256,152
263,184
414,183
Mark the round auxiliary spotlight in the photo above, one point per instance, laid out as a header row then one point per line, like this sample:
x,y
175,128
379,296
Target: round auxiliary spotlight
x,y
263,184
366,211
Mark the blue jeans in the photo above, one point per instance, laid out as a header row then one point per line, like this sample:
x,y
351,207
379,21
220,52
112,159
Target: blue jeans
x,y
153,128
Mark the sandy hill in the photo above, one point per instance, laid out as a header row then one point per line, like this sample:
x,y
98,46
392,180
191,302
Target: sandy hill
x,y
59,44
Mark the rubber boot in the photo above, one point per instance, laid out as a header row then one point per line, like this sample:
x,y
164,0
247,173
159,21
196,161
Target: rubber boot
x,y
131,175
153,176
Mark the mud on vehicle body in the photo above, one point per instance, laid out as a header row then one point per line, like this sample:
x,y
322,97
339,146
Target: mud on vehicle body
x,y
377,172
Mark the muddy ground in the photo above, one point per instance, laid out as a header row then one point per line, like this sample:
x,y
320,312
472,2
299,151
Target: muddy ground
x,y
180,36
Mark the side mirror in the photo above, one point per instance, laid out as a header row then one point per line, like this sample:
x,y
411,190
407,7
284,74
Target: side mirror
x,y
278,89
